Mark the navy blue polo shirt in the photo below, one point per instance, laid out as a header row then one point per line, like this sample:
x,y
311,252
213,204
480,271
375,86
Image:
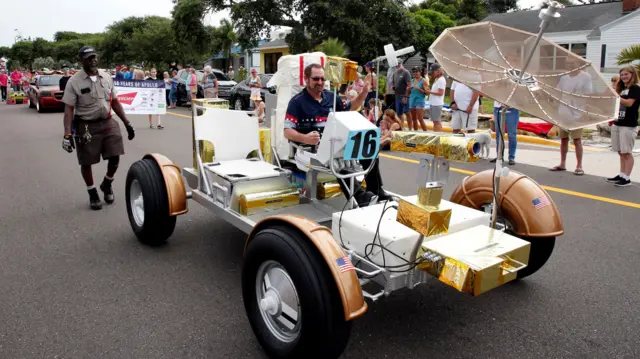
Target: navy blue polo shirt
x,y
306,114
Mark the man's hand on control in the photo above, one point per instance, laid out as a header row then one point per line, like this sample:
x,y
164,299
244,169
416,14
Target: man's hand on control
x,y
68,144
312,138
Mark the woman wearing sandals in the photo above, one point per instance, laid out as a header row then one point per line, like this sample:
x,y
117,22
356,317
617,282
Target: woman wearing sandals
x,y
625,127
153,76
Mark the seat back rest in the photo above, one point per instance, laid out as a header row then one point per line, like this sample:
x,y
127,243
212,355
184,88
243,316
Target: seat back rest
x,y
233,133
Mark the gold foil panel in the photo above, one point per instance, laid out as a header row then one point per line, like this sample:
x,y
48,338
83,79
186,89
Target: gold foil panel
x,y
253,203
430,197
340,70
424,220
328,190
265,144
450,147
476,260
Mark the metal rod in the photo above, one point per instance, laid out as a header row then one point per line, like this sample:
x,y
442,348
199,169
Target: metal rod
x,y
375,111
498,168
548,15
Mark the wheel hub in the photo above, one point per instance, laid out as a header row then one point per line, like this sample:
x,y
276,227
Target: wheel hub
x,y
137,202
278,301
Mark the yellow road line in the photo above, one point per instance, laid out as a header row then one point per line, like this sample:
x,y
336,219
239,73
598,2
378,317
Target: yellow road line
x,y
547,188
178,114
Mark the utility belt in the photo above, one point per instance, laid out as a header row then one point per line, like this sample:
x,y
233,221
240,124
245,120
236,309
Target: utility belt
x,y
82,132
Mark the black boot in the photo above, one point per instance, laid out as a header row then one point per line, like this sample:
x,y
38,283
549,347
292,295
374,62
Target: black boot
x,y
106,187
94,199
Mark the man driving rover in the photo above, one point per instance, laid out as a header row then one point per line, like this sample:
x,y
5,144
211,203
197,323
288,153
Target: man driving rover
x,y
305,120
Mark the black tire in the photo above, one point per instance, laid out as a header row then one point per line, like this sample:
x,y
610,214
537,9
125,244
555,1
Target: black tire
x,y
39,107
156,225
323,331
541,249
236,102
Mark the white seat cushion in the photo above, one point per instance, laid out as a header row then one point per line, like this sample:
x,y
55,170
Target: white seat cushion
x,y
246,169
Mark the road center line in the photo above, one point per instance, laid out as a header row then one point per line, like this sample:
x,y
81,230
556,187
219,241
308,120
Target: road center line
x,y
547,188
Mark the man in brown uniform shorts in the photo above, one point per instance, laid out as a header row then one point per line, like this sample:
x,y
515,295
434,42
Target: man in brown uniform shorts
x,y
89,98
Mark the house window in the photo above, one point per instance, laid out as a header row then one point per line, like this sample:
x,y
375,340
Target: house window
x,y
579,49
242,61
271,62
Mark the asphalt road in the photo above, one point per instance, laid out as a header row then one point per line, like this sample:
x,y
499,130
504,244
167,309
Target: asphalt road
x,y
76,284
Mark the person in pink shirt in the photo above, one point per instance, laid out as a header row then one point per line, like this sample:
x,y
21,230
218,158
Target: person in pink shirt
x,y
4,82
16,77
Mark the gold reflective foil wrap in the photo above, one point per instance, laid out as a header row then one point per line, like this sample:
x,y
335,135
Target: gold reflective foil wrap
x,y
477,259
265,144
253,203
328,190
430,197
428,221
340,70
447,146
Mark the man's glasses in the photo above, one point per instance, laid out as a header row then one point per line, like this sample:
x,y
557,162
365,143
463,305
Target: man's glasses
x,y
318,79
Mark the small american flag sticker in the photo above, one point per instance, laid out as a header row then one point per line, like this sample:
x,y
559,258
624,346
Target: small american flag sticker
x,y
344,264
540,202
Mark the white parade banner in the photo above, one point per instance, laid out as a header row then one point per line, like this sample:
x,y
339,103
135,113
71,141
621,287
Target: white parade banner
x,y
146,97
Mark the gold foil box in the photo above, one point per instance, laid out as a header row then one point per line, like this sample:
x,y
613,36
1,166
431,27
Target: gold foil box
x,y
475,260
328,190
253,203
447,146
428,221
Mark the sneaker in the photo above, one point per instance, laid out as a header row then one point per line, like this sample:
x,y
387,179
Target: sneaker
x,y
512,162
623,182
109,197
94,200
160,127
614,179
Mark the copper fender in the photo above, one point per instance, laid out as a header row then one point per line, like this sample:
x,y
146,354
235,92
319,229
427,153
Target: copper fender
x,y
176,190
347,282
518,195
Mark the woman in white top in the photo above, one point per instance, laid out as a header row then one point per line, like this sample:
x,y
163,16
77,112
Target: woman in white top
x,y
436,96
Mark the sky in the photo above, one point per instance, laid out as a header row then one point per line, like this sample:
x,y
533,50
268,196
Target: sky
x,y
90,16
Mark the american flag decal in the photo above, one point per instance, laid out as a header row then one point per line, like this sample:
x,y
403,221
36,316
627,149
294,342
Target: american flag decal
x,y
540,202
344,264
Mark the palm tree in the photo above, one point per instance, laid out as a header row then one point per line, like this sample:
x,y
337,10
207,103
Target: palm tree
x,y
333,47
630,55
224,37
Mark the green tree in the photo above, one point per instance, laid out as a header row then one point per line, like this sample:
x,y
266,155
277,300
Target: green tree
x,y
5,51
630,55
114,46
43,62
154,43
333,47
223,38
463,12
430,24
364,26
22,52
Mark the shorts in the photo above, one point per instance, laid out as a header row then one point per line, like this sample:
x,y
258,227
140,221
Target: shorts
x,y
462,120
173,95
106,140
435,113
574,134
417,102
401,108
623,139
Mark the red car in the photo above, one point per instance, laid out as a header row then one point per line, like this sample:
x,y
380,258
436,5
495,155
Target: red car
x,y
45,93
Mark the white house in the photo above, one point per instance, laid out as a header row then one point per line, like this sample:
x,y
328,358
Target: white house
x,y
597,32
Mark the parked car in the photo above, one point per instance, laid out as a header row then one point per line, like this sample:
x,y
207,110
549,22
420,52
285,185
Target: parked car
x,y
240,94
44,93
